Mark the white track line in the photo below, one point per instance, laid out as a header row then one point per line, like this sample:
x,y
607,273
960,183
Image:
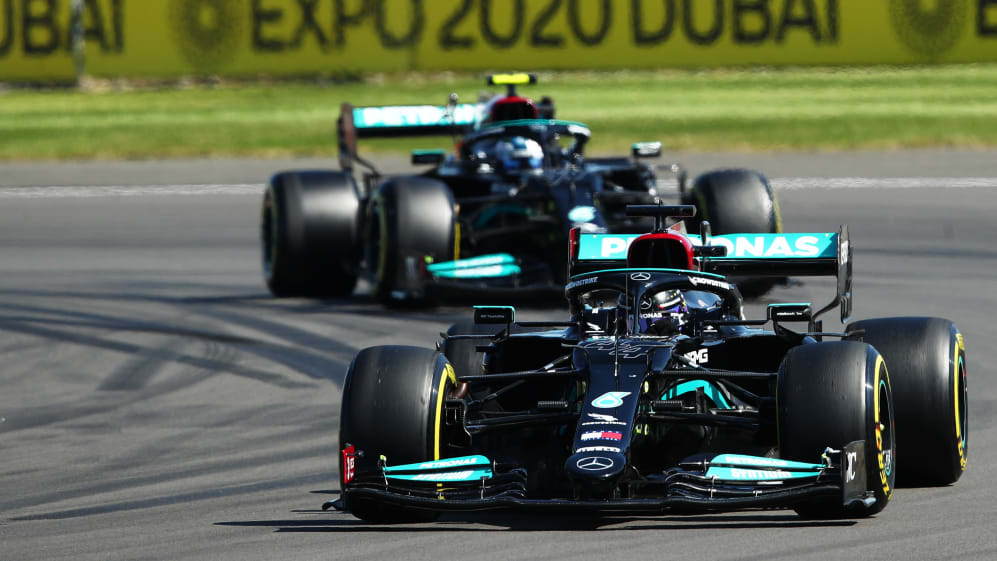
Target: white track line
x,y
89,191
778,183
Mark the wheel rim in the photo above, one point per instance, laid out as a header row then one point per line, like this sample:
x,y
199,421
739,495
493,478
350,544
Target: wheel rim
x,y
886,430
963,406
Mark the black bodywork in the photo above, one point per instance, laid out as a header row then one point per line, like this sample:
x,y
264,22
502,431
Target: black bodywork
x,y
591,414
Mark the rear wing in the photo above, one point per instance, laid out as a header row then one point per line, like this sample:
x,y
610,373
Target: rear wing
x,y
770,255
394,121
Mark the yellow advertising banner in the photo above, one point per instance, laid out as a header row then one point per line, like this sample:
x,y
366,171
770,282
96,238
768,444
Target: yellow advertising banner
x,y
36,41
168,38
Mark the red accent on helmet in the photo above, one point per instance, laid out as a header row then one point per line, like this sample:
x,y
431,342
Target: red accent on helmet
x,y
511,108
662,250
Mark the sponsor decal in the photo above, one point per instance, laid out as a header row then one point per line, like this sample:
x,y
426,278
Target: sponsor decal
x,y
697,357
349,463
850,460
741,473
604,418
451,476
753,461
609,400
582,282
598,449
441,464
696,281
739,246
602,435
621,423
595,463
640,276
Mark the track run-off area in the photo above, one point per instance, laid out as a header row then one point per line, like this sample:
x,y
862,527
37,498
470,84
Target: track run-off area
x,y
157,403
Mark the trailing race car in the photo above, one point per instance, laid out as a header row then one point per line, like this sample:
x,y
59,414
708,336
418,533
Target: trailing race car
x,y
491,218
657,395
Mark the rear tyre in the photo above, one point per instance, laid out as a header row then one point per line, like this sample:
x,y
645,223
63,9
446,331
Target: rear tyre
x,y
830,394
410,221
736,201
309,232
927,360
393,400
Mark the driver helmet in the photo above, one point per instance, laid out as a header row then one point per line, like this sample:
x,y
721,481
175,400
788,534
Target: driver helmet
x,y
519,153
662,313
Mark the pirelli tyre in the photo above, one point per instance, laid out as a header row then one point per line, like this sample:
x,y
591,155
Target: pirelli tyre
x,y
393,400
410,222
828,395
309,234
736,201
927,361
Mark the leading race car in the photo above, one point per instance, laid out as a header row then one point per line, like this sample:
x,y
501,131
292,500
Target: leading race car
x,y
657,395
489,219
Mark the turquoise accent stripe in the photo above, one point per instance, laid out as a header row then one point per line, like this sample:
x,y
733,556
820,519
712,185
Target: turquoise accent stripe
x,y
465,468
413,116
755,474
462,462
709,389
538,122
445,476
484,266
739,246
741,460
649,269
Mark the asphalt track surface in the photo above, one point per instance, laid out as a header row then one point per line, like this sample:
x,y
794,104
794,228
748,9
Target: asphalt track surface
x,y
156,403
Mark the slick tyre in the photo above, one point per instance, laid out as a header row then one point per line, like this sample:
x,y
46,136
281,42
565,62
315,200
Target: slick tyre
x,y
393,400
831,394
309,232
410,221
736,201
927,361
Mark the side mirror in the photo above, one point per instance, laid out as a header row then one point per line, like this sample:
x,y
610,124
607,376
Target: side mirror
x,y
428,157
646,149
494,315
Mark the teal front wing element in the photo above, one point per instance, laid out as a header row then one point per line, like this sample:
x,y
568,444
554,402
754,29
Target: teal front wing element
x,y
451,470
484,266
739,467
739,246
710,390
755,474
414,116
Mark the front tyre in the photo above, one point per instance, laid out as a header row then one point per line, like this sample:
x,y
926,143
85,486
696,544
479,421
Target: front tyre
x,y
830,394
393,406
927,358
410,222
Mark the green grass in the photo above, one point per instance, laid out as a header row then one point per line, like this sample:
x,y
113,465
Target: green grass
x,y
762,109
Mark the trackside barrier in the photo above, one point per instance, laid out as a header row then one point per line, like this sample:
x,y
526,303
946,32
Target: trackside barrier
x,y
166,38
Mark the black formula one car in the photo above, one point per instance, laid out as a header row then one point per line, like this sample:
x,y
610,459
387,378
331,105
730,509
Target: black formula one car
x,y
489,219
657,395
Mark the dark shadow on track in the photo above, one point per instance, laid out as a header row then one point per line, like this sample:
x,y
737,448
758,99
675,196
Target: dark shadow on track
x,y
535,522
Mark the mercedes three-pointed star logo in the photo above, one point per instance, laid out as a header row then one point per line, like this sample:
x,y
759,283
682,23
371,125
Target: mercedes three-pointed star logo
x,y
595,463
640,276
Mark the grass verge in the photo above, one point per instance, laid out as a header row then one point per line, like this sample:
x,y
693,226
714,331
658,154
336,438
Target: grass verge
x,y
761,109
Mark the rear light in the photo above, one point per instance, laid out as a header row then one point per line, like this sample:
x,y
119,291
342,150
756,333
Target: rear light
x,y
349,464
573,236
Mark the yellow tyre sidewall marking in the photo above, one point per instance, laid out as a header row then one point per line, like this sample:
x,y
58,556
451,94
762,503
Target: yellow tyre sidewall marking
x,y
447,375
881,367
956,376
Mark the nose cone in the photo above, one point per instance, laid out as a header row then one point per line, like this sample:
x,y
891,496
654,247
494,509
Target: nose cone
x,y
595,472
